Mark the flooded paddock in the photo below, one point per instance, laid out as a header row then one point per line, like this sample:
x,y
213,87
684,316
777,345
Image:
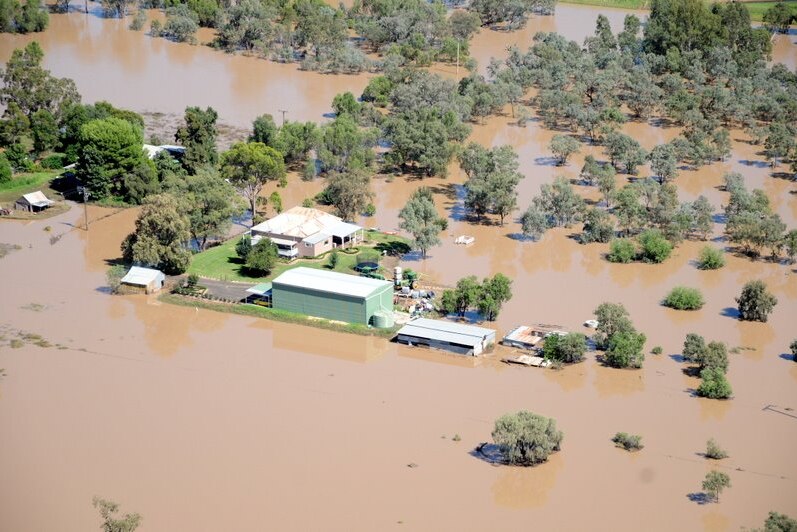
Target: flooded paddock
x,y
206,421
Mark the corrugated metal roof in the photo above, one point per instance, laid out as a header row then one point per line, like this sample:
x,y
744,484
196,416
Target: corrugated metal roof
x,y
298,222
37,199
446,331
260,289
316,238
343,229
332,282
142,276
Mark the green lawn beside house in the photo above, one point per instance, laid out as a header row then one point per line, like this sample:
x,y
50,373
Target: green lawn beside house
x,y
222,263
756,9
20,184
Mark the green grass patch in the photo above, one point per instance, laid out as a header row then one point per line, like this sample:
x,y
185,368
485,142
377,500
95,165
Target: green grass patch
x,y
626,4
23,183
222,263
256,311
757,9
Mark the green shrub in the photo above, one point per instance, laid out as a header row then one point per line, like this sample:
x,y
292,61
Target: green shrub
x,y
567,349
711,258
625,350
779,523
655,248
755,302
5,169
684,298
114,277
308,203
714,451
621,250
629,442
54,161
714,385
793,348
526,438
657,350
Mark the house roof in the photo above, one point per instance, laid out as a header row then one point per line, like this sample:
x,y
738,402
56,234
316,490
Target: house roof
x,y
446,331
37,199
343,229
142,276
299,222
316,238
330,282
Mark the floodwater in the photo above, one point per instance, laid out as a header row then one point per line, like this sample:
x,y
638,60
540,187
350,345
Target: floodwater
x,y
206,421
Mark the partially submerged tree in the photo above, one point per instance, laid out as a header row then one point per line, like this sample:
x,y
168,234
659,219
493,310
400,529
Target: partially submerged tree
x,y
755,303
111,522
162,232
419,218
715,483
525,438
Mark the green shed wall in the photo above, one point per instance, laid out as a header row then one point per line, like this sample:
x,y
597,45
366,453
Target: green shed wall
x,y
337,307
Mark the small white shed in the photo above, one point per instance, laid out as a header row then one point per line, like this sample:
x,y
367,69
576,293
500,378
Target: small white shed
x,y
33,202
146,279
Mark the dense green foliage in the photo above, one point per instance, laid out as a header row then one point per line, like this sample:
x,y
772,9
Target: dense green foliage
x,y
755,303
710,258
629,442
622,250
248,166
492,180
625,350
110,521
29,17
684,298
162,232
525,438
567,349
714,385
487,297
262,257
777,522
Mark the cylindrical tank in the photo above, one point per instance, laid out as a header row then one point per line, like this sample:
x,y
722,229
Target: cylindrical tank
x,y
397,276
383,320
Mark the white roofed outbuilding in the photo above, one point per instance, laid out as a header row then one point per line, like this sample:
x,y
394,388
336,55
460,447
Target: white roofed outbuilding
x,y
147,279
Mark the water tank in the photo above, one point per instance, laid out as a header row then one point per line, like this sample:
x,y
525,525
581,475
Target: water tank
x,y
397,271
383,320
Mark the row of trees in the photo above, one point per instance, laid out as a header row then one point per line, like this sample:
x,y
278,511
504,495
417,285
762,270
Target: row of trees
x,y
616,335
29,17
711,362
487,297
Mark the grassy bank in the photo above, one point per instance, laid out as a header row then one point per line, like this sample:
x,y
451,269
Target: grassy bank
x,y
256,311
222,263
756,9
23,183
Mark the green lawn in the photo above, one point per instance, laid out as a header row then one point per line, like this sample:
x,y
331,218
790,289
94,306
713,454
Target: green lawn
x,y
24,183
222,263
756,9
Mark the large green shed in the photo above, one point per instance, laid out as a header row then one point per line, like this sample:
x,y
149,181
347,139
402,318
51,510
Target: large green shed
x,y
331,295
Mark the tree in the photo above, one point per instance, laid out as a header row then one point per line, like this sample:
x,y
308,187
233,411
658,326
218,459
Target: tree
x,y
710,258
612,318
663,162
31,88
533,222
419,218
492,179
249,166
598,227
714,451
790,243
343,145
654,247
464,296
715,483
567,349
243,248
525,438
198,137
44,130
755,303
109,150
625,350
563,146
378,91
561,205
5,169
276,201
778,18
210,203
780,523
162,230
181,24
684,298
262,257
112,523
424,139
629,442
346,103
715,356
624,152
607,184
350,193
264,130
621,250
714,385
492,295
694,348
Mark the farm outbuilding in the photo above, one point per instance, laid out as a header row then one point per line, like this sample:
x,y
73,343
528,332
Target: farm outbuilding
x,y
145,279
331,295
33,202
447,335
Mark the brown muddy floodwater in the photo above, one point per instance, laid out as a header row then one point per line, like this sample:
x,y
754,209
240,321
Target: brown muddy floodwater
x,y
203,421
